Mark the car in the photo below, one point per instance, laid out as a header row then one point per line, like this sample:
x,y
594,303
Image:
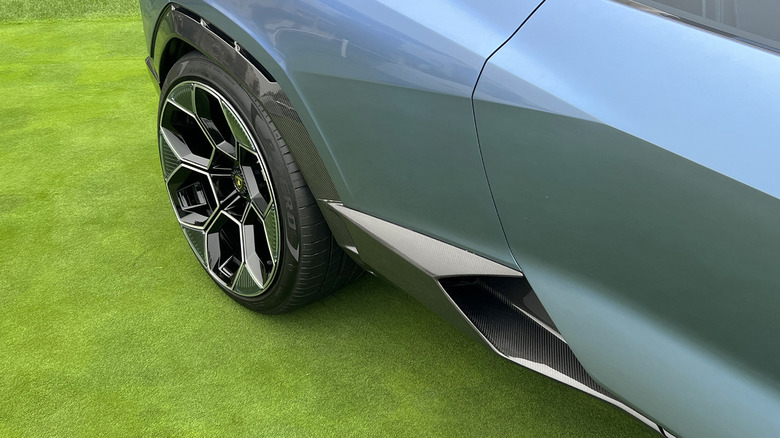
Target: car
x,y
587,187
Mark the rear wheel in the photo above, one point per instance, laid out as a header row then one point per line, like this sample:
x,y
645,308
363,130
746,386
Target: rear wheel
x,y
238,195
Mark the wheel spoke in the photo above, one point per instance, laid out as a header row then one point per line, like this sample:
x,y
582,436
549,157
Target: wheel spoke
x,y
197,240
168,158
222,162
245,284
236,128
256,181
182,96
223,248
236,206
257,253
185,136
211,116
271,226
193,196
229,200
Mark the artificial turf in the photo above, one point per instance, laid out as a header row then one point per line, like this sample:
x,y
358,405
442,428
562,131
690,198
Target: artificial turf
x,y
109,327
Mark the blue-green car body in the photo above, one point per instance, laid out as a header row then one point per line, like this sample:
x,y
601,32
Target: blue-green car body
x,y
622,156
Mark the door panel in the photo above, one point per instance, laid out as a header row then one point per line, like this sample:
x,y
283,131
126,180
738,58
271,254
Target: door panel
x,y
633,163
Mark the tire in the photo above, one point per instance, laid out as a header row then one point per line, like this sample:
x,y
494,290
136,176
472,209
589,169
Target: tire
x,y
238,195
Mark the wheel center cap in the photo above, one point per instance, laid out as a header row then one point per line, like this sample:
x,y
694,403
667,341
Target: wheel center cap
x,y
239,181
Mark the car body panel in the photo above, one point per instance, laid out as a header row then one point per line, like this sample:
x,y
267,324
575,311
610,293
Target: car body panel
x,y
384,89
643,207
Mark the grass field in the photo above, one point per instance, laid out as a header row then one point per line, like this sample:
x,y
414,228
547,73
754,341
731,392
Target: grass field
x,y
26,10
109,327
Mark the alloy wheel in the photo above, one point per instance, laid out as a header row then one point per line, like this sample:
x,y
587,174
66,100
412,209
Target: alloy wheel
x,y
220,188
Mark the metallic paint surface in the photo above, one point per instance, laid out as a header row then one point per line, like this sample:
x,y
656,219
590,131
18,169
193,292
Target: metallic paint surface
x,y
633,163
383,86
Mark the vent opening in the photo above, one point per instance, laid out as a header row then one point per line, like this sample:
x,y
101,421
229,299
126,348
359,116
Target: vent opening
x,y
507,312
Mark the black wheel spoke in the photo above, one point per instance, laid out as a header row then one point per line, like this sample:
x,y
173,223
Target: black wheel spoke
x,y
192,195
181,130
211,115
223,248
256,179
237,206
222,162
259,261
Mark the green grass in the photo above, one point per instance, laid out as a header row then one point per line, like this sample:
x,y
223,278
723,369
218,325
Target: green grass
x,y
109,327
24,10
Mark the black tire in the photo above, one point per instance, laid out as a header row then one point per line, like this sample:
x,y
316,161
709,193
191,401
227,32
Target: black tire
x,y
309,264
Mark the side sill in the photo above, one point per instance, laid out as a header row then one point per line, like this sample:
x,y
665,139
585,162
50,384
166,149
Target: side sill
x,y
490,302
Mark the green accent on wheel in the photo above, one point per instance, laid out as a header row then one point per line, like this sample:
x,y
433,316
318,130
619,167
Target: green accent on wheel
x,y
182,96
169,159
238,131
272,231
245,284
196,240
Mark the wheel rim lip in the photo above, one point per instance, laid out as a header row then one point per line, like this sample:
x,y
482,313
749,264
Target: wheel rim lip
x,y
207,228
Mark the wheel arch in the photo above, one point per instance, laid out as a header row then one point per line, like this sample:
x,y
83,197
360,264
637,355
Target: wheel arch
x,y
174,50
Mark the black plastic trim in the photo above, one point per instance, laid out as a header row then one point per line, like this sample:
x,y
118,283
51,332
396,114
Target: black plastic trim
x,y
492,306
